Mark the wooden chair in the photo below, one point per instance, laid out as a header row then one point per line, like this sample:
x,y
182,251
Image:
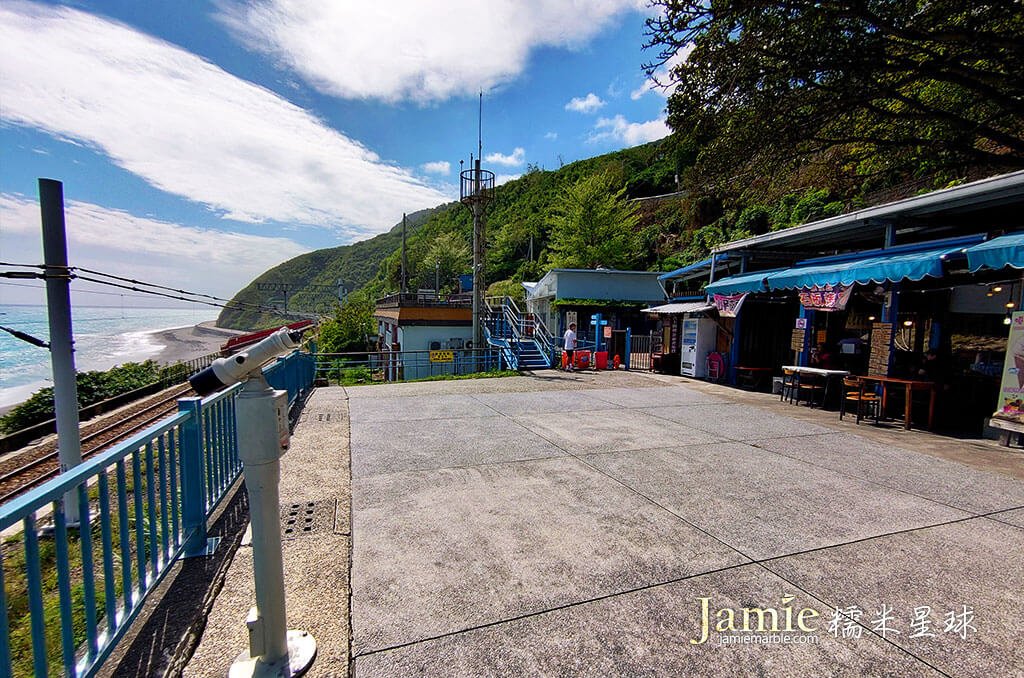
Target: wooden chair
x,y
813,384
790,380
853,391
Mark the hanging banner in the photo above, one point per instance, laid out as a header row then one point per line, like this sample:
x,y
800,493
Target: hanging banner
x,y
729,306
826,297
1011,389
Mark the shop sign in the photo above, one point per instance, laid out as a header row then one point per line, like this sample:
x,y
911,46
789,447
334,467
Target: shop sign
x,y
729,305
1011,390
826,297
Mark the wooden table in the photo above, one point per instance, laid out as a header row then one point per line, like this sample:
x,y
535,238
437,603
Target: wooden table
x,y
752,377
909,385
821,372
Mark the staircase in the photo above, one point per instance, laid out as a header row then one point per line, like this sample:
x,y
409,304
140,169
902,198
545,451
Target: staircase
x,y
531,357
524,341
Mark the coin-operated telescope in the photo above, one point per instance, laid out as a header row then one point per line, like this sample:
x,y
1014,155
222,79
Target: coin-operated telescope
x,y
263,436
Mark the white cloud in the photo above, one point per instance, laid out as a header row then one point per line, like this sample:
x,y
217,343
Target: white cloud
x,y
410,49
112,240
437,167
663,75
516,158
629,133
505,178
551,135
587,104
190,128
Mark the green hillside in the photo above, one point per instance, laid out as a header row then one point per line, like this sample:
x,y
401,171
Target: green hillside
x,y
671,228
439,239
355,264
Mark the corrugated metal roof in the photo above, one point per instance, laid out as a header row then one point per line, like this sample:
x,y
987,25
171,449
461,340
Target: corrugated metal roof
x,y
675,309
870,221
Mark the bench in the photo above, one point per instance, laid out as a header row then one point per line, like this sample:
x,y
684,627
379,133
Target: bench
x,y
1006,429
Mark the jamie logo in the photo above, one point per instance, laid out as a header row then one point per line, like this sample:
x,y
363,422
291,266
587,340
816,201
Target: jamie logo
x,y
754,619
784,624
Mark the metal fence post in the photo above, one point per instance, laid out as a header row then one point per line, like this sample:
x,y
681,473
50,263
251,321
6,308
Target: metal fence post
x,y
629,346
193,478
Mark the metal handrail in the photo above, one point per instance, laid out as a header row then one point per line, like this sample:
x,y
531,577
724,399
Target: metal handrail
x,y
162,484
396,364
518,322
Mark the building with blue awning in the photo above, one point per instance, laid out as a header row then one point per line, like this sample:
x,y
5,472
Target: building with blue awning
x,y
880,287
1002,252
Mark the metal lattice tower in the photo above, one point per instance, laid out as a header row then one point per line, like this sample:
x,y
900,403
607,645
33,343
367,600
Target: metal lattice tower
x,y
476,189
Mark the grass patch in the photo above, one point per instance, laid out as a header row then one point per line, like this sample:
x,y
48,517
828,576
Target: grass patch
x,y
475,375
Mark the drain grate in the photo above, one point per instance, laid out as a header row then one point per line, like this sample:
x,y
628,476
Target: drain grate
x,y
308,518
323,417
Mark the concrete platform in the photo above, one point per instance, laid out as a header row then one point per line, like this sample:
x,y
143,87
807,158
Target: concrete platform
x,y
574,525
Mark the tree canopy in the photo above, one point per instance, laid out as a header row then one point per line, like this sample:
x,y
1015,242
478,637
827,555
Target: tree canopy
x,y
869,86
594,226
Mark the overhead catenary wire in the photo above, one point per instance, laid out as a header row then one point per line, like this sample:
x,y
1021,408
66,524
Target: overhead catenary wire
x,y
80,291
148,284
228,303
232,303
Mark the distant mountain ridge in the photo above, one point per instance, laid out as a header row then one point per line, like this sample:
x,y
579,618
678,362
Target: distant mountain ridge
x,y
354,264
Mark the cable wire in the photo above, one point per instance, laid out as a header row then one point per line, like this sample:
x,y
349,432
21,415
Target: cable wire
x,y
230,304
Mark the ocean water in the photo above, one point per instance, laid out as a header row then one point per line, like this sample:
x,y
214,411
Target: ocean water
x,y
104,337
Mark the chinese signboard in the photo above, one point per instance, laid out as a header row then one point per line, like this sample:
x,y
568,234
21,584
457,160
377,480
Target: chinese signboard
x,y
1011,391
441,356
729,305
826,297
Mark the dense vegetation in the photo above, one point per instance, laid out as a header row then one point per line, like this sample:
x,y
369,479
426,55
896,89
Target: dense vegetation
x,y
93,387
841,93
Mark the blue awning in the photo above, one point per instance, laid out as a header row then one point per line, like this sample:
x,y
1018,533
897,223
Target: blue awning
x,y
1007,250
877,268
704,263
738,284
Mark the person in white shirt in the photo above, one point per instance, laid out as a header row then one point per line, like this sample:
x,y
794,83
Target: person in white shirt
x,y
570,345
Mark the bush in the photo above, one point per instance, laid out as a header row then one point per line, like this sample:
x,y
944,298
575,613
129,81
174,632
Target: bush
x,y
507,288
754,219
93,387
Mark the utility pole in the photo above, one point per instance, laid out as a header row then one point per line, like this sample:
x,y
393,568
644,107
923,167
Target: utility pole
x,y
402,286
62,351
437,279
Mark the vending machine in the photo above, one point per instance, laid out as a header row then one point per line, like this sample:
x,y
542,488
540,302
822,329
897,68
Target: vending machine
x,y
697,342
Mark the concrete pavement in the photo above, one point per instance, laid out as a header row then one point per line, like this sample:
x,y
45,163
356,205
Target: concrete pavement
x,y
575,533
575,525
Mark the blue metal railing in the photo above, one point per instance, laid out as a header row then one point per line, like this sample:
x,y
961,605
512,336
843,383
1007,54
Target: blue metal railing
x,y
142,505
408,365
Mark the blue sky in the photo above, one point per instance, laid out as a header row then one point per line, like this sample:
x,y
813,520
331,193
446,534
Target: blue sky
x,y
201,143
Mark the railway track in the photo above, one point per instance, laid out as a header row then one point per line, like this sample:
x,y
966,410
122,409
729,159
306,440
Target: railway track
x,y
30,469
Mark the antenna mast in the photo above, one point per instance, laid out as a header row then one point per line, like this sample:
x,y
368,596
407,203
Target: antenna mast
x,y
476,189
